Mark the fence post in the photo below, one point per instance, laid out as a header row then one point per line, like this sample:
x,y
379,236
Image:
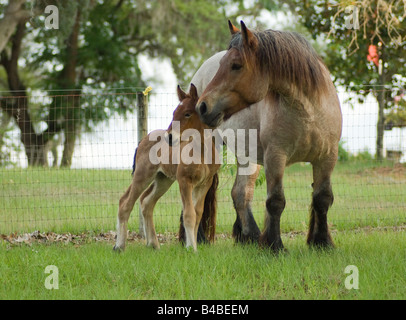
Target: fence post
x,y
142,131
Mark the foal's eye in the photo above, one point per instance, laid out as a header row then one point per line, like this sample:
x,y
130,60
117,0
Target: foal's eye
x,y
187,115
236,66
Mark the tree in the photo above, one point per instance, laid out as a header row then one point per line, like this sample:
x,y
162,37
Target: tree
x,y
349,29
13,14
98,47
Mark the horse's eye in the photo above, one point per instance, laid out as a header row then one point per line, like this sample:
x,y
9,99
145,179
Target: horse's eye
x,y
187,115
236,66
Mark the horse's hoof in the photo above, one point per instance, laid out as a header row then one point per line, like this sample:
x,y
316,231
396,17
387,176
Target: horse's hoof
x,y
118,249
191,249
245,239
275,246
321,245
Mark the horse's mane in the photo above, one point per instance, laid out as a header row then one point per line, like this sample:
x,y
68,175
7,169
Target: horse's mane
x,y
291,63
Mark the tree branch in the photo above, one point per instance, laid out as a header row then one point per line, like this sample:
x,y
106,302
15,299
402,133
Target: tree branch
x,y
13,15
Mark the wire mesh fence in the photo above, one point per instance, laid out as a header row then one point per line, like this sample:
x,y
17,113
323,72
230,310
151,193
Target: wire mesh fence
x,y
66,159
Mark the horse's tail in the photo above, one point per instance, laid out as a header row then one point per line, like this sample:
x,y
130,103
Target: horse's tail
x,y
207,226
135,155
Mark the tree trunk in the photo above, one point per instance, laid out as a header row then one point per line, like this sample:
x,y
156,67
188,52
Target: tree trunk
x,y
68,80
17,107
380,125
68,147
13,14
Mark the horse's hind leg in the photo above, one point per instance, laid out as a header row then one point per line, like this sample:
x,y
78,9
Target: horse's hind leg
x,y
275,203
139,184
148,201
319,235
245,228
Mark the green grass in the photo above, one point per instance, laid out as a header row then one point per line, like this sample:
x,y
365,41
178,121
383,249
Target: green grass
x,y
76,200
219,271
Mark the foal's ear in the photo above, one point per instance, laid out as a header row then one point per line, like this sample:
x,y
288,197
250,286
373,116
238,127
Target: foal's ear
x,y
233,28
193,92
248,37
181,94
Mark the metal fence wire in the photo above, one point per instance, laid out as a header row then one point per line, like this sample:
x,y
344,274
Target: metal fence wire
x,y
66,159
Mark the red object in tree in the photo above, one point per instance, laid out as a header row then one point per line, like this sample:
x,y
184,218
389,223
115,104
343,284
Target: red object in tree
x,y
373,54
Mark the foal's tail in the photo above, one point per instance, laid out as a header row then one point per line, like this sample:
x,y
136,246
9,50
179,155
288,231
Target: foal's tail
x,y
209,216
135,155
207,226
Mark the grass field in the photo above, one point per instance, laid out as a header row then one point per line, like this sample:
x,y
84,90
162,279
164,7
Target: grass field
x,y
368,197
366,194
219,271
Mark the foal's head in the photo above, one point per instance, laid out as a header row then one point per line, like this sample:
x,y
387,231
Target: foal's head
x,y
185,116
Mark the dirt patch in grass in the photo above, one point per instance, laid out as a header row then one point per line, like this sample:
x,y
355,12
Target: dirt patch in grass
x,y
397,171
76,239
16,239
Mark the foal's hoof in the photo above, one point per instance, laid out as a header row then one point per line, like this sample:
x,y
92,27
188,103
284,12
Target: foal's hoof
x,y
118,249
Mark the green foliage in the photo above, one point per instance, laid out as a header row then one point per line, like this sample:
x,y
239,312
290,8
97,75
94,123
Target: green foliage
x,y
346,156
397,115
346,49
97,46
343,155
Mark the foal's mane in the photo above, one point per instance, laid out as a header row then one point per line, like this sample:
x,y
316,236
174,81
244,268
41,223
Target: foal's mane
x,y
288,59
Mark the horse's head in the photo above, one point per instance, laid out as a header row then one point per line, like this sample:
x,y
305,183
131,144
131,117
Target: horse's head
x,y
237,83
185,116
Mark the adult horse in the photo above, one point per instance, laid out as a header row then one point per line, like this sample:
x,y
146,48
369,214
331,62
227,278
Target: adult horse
x,y
299,112
245,228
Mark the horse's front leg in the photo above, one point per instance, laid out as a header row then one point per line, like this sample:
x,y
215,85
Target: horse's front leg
x,y
245,228
189,214
319,235
275,203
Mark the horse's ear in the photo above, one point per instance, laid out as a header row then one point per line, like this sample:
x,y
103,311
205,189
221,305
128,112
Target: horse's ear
x,y
233,28
181,94
193,92
248,37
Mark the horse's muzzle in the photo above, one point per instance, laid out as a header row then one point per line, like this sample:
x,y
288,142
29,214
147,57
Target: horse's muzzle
x,y
212,119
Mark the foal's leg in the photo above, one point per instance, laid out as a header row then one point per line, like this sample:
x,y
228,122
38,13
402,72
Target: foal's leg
x,y
141,180
323,198
148,201
275,203
245,228
189,214
199,193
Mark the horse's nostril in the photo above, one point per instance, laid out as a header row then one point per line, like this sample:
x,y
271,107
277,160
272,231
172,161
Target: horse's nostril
x,y
203,108
170,139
